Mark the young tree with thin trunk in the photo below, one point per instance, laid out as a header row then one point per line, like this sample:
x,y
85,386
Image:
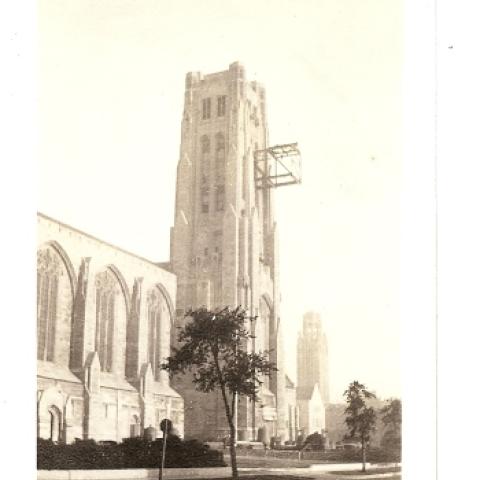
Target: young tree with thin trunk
x,y
360,418
213,347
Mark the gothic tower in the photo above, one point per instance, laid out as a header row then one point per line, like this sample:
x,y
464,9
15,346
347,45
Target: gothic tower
x,y
312,357
223,244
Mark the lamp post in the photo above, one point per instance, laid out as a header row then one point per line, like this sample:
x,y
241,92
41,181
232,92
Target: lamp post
x,y
235,402
253,324
165,427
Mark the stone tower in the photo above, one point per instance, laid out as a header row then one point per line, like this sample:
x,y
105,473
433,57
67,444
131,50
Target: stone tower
x,y
312,356
223,244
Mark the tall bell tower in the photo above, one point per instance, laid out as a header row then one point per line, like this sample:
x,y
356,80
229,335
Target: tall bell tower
x,y
224,241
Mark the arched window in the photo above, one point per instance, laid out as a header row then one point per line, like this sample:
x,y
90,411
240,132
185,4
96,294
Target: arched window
x,y
49,269
107,289
262,331
157,312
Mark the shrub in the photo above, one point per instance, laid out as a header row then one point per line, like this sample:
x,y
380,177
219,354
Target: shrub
x,y
131,453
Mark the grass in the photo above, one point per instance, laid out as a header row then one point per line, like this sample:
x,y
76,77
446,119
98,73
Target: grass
x,y
269,462
370,471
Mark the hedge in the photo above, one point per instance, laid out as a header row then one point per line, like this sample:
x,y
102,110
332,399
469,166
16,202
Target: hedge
x,y
131,453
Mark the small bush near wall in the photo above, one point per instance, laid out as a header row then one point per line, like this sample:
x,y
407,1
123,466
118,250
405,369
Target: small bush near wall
x,y
131,453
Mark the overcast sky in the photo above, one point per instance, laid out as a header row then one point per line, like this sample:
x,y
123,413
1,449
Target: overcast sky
x,y
111,99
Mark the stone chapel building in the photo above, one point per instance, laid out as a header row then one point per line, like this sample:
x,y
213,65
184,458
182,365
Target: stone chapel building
x,y
104,318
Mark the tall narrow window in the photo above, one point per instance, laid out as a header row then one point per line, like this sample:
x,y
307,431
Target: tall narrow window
x,y
221,105
206,107
220,157
220,172
204,194
220,198
205,158
106,292
49,269
155,302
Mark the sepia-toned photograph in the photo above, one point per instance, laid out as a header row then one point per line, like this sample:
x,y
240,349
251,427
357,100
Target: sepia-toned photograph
x,y
219,228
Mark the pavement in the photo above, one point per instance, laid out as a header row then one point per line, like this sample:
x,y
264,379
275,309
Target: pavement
x,y
320,471
317,471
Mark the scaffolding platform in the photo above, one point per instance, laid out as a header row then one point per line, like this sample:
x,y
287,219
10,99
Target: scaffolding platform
x,y
278,166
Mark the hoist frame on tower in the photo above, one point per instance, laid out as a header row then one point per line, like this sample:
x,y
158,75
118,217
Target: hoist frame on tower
x,y
278,166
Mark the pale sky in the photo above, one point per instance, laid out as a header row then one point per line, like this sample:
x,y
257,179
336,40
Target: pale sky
x,y
111,99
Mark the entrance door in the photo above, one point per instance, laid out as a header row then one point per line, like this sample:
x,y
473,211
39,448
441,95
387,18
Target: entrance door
x,y
55,424
135,426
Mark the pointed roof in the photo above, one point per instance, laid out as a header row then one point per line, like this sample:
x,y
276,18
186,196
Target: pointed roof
x,y
288,382
305,393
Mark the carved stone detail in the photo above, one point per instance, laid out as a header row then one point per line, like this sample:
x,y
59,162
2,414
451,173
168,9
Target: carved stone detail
x,y
48,262
106,282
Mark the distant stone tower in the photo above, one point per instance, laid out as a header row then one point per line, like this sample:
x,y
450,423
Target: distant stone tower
x,y
312,356
223,244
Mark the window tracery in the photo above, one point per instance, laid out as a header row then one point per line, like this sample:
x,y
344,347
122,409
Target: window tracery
x,y
106,291
49,270
156,313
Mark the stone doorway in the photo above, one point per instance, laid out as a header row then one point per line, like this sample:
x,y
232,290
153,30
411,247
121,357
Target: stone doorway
x,y
55,417
135,427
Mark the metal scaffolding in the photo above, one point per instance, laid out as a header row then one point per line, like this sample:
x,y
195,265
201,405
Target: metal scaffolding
x,y
278,166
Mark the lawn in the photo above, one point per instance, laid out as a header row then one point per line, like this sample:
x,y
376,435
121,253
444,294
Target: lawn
x,y
370,471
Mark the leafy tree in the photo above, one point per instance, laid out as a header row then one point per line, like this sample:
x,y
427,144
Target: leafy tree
x,y
360,418
316,441
213,347
392,419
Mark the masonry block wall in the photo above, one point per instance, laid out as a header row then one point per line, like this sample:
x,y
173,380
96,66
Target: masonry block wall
x,y
224,243
104,319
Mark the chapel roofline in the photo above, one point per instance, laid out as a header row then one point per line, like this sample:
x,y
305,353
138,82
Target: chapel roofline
x,y
116,247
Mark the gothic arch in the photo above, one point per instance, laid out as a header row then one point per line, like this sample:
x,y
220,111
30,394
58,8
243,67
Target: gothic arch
x,y
56,423
267,332
111,318
66,261
159,306
56,287
171,308
123,285
50,413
